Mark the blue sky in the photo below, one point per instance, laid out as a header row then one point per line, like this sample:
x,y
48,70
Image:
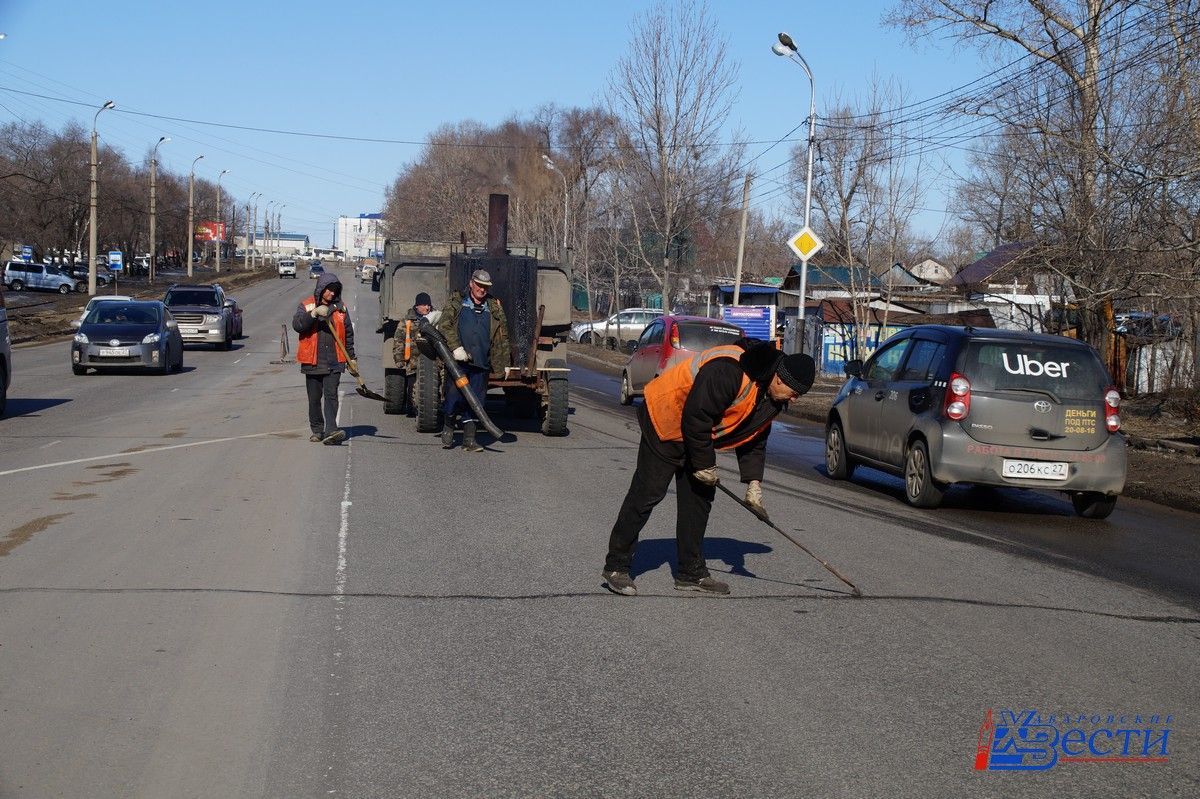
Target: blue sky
x,y
398,70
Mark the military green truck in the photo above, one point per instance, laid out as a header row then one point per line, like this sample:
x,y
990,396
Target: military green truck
x,y
537,302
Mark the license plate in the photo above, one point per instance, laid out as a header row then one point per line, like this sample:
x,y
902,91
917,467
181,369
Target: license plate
x,y
114,352
188,331
1034,470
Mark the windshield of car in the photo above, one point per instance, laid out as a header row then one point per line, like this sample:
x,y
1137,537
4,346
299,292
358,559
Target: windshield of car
x,y
318,268
191,297
122,313
702,335
1065,372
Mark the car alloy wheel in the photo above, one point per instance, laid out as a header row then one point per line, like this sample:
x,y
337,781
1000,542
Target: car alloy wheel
x,y
16,285
837,460
919,487
626,389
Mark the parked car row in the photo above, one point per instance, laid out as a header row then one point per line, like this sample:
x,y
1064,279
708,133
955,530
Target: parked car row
x,y
938,405
119,331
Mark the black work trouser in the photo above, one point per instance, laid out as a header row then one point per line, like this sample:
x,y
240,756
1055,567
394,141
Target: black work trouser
x,y
649,486
322,391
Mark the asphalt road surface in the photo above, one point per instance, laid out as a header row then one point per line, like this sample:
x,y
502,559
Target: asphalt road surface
x,y
196,601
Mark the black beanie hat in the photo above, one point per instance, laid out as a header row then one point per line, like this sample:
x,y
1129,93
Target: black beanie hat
x,y
423,299
797,371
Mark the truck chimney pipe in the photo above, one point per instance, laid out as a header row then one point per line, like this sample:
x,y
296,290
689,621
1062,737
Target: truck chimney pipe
x,y
497,244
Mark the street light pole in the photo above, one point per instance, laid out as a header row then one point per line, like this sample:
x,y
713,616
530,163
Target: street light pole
x,y
153,234
554,168
787,48
220,221
191,212
249,234
279,230
92,206
267,229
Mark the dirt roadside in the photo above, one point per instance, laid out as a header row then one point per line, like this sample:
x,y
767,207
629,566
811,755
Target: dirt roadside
x,y
1164,459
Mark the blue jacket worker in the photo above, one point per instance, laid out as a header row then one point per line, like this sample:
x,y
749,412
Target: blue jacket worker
x,y
476,331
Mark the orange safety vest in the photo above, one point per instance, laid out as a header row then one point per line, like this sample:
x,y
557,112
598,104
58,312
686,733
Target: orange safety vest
x,y
306,349
666,394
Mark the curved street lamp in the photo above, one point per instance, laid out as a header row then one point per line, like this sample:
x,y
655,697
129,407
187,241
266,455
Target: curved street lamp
x,y
191,212
92,206
554,168
220,221
153,234
787,48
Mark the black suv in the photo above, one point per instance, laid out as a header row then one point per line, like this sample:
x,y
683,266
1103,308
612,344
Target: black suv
x,y
205,315
940,405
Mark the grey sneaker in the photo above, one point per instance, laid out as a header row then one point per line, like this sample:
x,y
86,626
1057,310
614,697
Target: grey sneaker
x,y
706,585
620,583
315,437
334,437
448,436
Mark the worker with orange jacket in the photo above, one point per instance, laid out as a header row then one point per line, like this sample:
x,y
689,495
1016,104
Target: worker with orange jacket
x,y
723,398
318,319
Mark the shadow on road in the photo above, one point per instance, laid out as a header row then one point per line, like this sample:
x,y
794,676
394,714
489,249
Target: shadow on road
x,y
28,406
654,552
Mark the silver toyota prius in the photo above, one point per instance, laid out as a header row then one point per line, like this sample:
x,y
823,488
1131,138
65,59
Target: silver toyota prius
x,y
940,405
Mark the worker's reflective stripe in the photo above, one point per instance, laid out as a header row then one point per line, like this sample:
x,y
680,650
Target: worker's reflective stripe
x,y
407,339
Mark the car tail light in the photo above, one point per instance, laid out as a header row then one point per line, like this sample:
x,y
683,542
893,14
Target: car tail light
x,y
675,338
957,404
1112,401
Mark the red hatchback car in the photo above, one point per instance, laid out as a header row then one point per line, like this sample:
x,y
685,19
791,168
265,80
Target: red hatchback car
x,y
668,340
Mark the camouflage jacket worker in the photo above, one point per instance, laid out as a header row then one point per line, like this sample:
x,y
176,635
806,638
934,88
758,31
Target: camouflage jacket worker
x,y
499,354
404,344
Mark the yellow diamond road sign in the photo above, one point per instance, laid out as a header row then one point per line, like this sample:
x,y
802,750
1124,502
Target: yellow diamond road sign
x,y
805,243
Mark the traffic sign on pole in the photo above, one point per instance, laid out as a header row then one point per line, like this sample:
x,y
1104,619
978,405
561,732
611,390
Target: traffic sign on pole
x,y
805,243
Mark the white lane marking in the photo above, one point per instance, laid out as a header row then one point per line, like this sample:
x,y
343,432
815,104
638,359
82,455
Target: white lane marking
x,y
239,360
174,389
146,451
51,444
339,582
337,420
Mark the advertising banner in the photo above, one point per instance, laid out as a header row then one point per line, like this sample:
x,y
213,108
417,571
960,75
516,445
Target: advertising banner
x,y
757,320
210,231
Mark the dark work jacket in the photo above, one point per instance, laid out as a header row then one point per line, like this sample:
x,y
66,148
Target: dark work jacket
x,y
714,390
303,322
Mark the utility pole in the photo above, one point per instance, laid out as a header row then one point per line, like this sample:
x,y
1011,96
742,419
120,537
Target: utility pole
x,y
191,236
153,236
737,275
220,221
92,207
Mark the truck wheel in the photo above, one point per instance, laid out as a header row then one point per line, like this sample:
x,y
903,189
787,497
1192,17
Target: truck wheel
x,y
557,400
429,396
1093,504
393,391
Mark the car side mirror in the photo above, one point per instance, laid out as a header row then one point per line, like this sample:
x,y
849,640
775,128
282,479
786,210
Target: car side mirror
x,y
633,345
853,368
76,324
228,303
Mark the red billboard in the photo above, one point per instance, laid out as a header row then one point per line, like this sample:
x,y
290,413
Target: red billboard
x,y
210,231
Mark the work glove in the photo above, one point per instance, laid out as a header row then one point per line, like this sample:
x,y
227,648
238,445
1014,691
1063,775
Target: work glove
x,y
706,476
754,496
461,355
352,365
320,312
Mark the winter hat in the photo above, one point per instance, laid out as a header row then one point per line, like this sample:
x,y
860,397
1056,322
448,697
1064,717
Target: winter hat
x,y
423,299
482,277
797,372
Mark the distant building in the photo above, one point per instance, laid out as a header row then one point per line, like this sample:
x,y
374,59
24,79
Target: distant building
x,y
931,271
289,244
360,236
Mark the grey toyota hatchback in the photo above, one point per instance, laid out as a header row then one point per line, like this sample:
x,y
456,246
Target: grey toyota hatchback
x,y
940,405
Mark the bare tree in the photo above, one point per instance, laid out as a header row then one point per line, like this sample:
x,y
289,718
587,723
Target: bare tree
x,y
673,91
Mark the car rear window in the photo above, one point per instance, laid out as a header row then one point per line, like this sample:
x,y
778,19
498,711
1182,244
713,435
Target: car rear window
x,y
699,336
192,297
1067,372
